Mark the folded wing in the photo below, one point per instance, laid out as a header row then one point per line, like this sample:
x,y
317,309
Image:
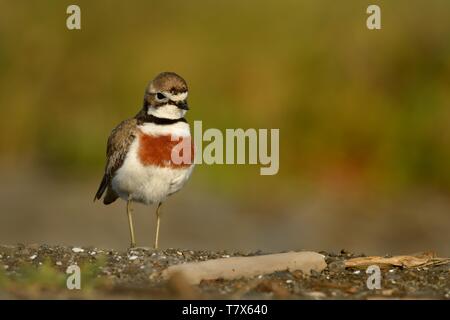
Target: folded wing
x,y
119,143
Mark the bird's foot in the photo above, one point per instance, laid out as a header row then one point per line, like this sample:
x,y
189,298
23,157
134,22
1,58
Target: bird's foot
x,y
142,248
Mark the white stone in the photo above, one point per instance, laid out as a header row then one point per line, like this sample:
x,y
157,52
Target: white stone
x,y
238,267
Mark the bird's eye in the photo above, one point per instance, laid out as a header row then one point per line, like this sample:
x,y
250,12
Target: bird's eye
x,y
160,96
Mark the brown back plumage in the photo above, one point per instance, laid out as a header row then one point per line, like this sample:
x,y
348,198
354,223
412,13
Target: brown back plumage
x,y
119,142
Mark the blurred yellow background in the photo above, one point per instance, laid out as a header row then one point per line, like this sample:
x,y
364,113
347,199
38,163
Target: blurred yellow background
x,y
364,119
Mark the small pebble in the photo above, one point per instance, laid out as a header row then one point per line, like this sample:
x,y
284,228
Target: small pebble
x,y
317,295
33,257
58,263
289,281
357,272
133,258
77,250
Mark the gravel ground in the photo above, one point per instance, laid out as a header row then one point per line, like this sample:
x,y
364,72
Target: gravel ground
x,y
38,271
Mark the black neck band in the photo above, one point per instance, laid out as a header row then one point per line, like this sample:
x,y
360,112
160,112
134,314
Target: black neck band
x,y
143,117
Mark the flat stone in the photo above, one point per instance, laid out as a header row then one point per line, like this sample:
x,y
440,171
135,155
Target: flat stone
x,y
238,267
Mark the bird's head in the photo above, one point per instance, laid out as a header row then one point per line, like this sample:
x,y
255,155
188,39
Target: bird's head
x,y
166,96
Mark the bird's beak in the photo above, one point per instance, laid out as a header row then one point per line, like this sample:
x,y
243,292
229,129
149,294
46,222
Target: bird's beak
x,y
183,105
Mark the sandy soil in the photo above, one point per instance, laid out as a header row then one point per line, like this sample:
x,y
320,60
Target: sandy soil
x,y
38,271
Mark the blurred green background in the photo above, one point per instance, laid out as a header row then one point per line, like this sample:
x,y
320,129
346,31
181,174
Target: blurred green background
x,y
364,119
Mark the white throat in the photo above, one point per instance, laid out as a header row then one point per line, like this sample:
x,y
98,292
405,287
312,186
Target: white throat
x,y
167,111
178,129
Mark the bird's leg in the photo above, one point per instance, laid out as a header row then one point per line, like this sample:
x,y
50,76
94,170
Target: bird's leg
x,y
130,223
158,219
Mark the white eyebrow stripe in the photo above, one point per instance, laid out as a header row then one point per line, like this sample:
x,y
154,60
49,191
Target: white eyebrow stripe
x,y
176,97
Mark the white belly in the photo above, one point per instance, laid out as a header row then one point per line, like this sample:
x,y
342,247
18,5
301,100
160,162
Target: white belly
x,y
147,184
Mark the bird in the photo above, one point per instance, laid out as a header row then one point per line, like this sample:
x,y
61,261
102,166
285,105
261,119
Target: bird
x,y
139,153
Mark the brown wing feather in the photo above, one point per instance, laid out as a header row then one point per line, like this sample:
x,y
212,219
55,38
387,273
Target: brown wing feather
x,y
119,142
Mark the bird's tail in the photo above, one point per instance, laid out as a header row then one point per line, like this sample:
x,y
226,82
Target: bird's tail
x,y
101,188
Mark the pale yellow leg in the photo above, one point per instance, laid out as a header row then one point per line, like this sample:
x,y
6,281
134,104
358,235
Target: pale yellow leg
x,y
158,220
130,223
